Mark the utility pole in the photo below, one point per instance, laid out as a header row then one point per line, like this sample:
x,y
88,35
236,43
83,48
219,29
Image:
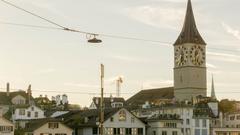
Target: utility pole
x,y
102,99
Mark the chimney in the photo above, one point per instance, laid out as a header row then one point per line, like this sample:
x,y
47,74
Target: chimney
x,y
29,92
8,89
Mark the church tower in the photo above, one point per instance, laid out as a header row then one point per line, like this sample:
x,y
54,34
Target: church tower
x,y
189,61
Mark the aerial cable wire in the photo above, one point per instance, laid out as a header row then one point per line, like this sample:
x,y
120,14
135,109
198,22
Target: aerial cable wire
x,y
89,35
29,25
49,21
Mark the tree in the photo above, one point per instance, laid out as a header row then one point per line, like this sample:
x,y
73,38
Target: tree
x,y
227,106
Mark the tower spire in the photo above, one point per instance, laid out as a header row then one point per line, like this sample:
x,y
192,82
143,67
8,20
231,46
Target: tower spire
x,y
189,32
213,95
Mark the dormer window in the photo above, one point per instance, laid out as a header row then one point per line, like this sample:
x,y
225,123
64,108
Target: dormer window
x,y
6,129
53,125
122,115
111,119
117,104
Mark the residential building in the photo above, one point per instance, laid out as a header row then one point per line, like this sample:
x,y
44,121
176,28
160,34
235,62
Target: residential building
x,y
226,131
6,127
23,114
47,127
117,121
231,120
108,102
164,124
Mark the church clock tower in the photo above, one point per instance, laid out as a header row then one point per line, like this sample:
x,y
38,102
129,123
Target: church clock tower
x,y
189,61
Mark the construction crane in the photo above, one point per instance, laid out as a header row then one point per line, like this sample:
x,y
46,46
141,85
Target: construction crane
x,y
119,81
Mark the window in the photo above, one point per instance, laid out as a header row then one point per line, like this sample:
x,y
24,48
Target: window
x,y
28,114
204,123
132,119
117,105
170,125
197,131
188,122
128,131
36,114
52,125
174,133
95,131
6,128
22,112
111,119
32,108
154,133
164,132
140,131
122,115
204,132
116,131
197,123
238,117
232,117
60,134
109,131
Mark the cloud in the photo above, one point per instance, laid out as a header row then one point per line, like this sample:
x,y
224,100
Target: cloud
x,y
224,57
235,33
131,59
48,70
47,5
211,66
112,80
81,85
157,84
156,16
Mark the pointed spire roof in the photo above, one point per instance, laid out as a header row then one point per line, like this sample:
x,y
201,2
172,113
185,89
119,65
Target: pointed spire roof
x,y
213,95
189,32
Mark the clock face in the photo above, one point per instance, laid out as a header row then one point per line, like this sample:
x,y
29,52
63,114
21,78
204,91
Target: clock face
x,y
197,55
181,56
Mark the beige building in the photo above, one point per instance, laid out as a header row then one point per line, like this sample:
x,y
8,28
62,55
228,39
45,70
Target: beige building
x,y
47,127
6,127
164,124
226,131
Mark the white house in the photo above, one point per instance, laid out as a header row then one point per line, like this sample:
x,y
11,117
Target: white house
x,y
118,121
123,123
6,127
24,114
28,113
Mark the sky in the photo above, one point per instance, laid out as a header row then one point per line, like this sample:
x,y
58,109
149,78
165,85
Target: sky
x,y
63,62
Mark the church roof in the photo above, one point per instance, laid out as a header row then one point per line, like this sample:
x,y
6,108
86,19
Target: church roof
x,y
151,95
189,32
